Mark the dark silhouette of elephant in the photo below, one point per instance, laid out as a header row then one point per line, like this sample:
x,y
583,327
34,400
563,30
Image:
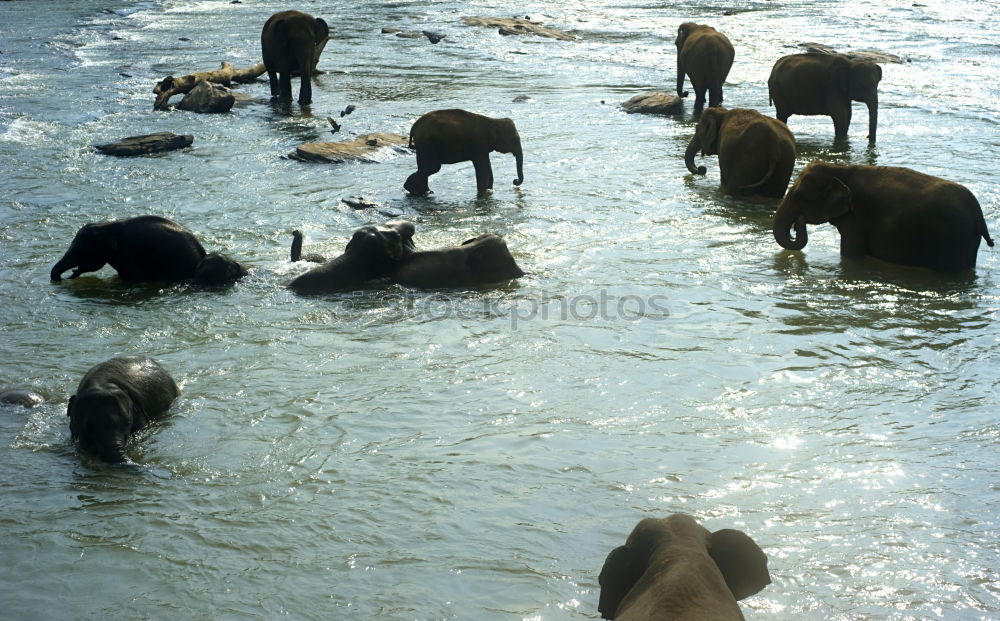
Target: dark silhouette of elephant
x,y
756,152
452,136
705,55
478,261
674,569
23,398
373,253
291,42
895,214
825,84
145,249
115,399
296,252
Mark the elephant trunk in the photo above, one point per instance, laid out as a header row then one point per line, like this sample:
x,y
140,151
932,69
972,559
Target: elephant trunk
x,y
519,162
64,264
872,117
680,76
784,219
692,150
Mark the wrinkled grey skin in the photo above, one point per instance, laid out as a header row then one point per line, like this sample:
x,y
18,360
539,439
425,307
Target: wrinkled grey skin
x,y
705,55
674,569
372,253
217,270
23,398
115,399
291,42
478,261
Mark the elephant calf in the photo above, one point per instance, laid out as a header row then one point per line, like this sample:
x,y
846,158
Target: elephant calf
x,y
115,399
291,42
705,55
478,261
675,569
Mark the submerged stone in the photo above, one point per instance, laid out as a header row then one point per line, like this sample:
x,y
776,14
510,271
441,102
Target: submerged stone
x,y
147,143
654,102
207,97
357,149
518,26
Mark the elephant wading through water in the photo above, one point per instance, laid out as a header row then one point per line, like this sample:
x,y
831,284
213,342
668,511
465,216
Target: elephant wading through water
x,y
145,249
756,153
825,84
452,136
894,214
675,569
706,56
115,399
291,42
481,260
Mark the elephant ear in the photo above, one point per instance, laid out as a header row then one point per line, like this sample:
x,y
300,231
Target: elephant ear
x,y
320,30
69,406
826,197
740,560
840,75
622,569
708,130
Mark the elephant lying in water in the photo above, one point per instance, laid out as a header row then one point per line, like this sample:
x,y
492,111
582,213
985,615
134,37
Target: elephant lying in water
x,y
115,399
675,569
481,260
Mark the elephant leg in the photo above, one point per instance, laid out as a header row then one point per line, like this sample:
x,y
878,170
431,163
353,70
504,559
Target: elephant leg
x,y
305,89
715,95
699,99
416,184
484,174
272,78
841,121
285,83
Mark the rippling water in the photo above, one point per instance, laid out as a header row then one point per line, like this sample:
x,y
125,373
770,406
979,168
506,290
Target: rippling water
x,y
475,454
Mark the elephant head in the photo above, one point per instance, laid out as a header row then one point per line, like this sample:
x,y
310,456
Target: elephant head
x,y
817,196
706,138
503,138
101,420
89,251
859,80
489,259
217,269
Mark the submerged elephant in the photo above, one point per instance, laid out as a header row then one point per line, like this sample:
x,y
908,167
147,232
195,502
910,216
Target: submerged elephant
x,y
115,399
144,249
296,252
674,568
373,253
23,398
825,84
756,152
705,55
452,136
894,214
291,42
478,261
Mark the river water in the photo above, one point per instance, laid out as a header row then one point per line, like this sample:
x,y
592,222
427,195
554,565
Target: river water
x,y
475,454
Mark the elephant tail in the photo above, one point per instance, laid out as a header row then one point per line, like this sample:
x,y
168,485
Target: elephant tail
x,y
986,234
772,158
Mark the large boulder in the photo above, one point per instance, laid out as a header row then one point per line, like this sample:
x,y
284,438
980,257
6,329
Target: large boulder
x,y
147,143
872,56
654,102
518,26
207,97
357,149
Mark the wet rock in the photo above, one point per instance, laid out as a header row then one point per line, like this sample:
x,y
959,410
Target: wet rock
x,y
872,56
207,97
518,26
522,99
654,102
358,149
148,143
24,398
359,202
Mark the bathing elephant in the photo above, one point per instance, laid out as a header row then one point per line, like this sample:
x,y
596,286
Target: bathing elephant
x,y
478,261
296,253
143,249
756,152
825,84
451,136
372,253
675,569
291,42
115,399
216,270
705,55
23,398
894,214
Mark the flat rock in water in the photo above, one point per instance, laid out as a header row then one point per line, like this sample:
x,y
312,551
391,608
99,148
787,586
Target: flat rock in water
x,y
357,149
206,97
872,56
654,102
518,26
148,143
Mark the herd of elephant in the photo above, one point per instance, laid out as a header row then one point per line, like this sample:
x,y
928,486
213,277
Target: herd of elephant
x,y
668,568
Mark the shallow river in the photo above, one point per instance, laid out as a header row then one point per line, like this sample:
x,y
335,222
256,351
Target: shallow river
x,y
475,454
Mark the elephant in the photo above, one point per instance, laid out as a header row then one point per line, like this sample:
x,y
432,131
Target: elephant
x,y
217,270
372,253
452,136
24,398
674,568
895,214
115,399
297,250
825,84
756,152
144,249
478,261
705,55
291,42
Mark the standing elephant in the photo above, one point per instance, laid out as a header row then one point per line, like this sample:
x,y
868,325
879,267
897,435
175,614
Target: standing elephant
x,y
373,252
452,136
894,214
115,399
291,42
825,84
478,261
675,569
706,56
756,153
144,249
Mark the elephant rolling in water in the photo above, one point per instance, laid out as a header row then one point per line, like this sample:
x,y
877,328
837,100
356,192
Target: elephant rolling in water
x,y
894,214
481,260
756,153
706,56
291,42
825,84
452,136
675,569
115,399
